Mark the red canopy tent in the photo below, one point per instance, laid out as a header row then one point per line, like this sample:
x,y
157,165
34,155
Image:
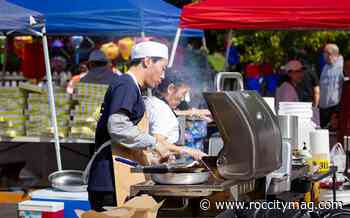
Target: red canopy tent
x,y
263,15
269,14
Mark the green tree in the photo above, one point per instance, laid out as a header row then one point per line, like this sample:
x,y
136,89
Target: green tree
x,y
276,47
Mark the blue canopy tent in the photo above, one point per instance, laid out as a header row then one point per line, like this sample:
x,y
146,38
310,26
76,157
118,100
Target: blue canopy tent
x,y
158,17
113,17
15,18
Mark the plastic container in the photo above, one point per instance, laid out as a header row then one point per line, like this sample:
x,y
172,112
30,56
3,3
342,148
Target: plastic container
x,y
319,144
195,133
300,109
40,209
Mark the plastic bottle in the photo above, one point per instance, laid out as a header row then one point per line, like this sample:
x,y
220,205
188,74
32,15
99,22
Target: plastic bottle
x,y
305,152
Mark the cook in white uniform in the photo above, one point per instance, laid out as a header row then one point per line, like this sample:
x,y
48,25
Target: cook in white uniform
x,y
163,122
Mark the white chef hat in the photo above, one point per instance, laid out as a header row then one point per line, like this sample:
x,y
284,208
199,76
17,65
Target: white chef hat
x,y
149,49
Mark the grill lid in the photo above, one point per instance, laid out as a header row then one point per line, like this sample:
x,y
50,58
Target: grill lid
x,y
252,139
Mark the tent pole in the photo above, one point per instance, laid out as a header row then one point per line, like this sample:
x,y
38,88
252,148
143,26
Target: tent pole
x,y
51,98
204,42
228,46
173,50
143,36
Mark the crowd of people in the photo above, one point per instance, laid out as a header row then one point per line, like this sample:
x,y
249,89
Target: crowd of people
x,y
297,82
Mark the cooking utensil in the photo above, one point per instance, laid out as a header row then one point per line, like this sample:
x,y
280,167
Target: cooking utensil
x,y
68,180
210,162
180,178
127,161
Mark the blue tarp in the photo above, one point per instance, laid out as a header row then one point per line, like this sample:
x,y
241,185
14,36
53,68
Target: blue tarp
x,y
13,17
114,17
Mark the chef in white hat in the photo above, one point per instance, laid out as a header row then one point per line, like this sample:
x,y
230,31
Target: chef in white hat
x,y
122,110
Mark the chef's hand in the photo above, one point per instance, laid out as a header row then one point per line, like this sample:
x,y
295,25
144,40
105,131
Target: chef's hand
x,y
162,150
195,153
209,119
153,157
203,114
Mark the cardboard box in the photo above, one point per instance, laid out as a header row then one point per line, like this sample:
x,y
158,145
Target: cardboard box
x,y
143,206
115,213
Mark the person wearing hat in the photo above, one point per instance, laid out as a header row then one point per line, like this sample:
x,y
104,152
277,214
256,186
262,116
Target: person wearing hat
x,y
99,71
287,91
122,111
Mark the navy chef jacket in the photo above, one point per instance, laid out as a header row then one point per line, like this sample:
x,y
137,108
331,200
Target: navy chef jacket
x,y
123,96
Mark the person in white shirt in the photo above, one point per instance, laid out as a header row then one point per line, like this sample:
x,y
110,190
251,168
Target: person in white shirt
x,y
162,119
163,122
331,83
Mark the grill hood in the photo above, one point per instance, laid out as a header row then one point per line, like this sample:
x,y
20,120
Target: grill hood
x,y
251,135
